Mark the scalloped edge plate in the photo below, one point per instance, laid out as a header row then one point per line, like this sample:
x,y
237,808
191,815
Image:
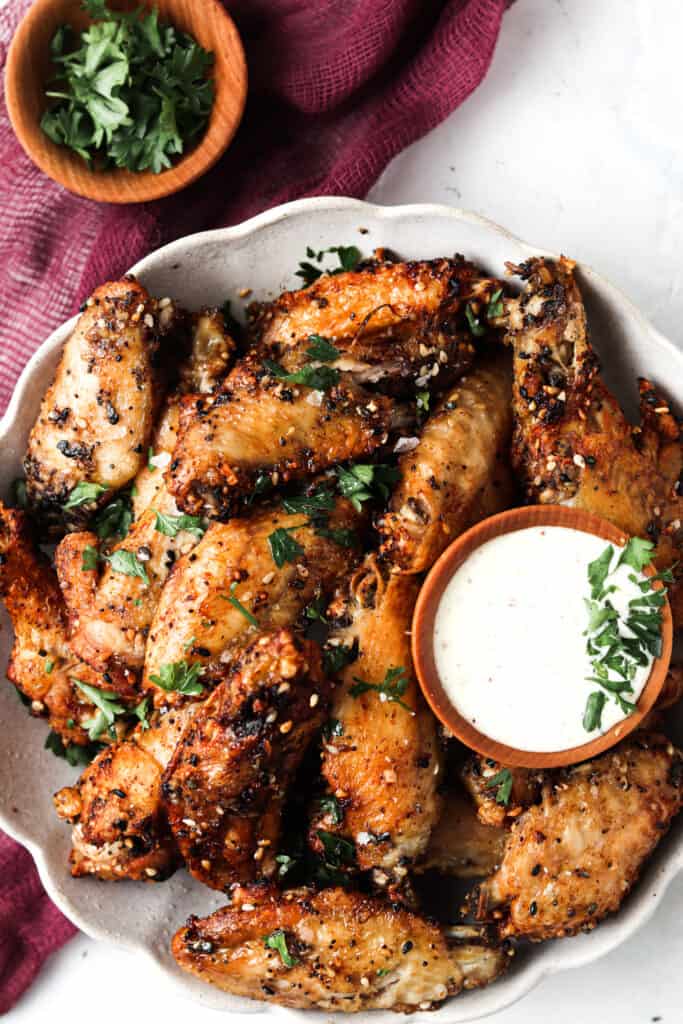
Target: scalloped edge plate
x,y
208,268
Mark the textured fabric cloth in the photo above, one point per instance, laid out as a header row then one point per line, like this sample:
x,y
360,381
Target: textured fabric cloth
x,y
335,91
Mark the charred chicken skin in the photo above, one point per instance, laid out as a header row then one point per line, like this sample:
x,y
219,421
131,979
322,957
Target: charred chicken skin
x,y
572,443
384,766
257,431
457,474
332,950
570,860
400,321
225,785
96,419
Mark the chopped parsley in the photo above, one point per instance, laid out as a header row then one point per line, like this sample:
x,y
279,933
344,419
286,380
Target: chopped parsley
x,y
115,518
75,753
84,494
341,535
150,455
284,547
125,562
108,707
240,607
315,611
321,349
90,558
495,306
171,526
502,783
320,500
391,689
338,656
320,378
130,91
422,399
180,677
475,325
48,666
277,940
349,257
339,852
332,727
141,711
329,806
366,482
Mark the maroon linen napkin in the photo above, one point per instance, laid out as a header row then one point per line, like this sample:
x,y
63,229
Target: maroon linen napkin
x,y
335,91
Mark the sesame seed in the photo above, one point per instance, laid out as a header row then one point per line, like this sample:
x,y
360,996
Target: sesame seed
x,y
268,578
148,320
286,726
314,698
579,461
151,872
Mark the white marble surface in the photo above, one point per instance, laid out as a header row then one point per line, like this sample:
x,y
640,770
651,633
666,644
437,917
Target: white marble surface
x,y
574,143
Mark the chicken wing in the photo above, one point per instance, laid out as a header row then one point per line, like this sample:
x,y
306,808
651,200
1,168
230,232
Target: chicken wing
x,y
257,430
201,614
411,321
226,783
571,441
120,825
42,666
332,951
570,860
112,603
500,793
460,844
457,474
383,763
96,419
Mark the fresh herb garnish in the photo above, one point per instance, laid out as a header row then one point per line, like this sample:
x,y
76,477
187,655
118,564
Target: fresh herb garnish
x,y
360,483
141,712
315,611
320,500
240,607
277,940
320,378
343,536
338,851
90,558
475,325
284,547
171,526
49,665
321,349
617,644
285,864
180,677
75,753
349,257
329,806
83,494
338,656
391,689
127,563
495,306
422,399
130,91
502,782
115,518
150,455
108,709
332,727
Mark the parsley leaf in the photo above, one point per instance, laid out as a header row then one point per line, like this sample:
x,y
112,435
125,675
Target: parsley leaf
x,y
90,558
180,677
329,806
240,607
284,547
277,940
476,327
338,656
141,712
592,716
75,753
320,500
315,611
360,483
320,378
109,709
598,572
128,563
349,257
637,553
332,727
502,780
391,689
115,518
83,494
338,851
495,306
322,349
171,526
343,536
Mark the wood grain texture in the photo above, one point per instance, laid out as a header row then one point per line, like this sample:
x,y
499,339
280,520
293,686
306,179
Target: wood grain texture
x,y
28,67
423,637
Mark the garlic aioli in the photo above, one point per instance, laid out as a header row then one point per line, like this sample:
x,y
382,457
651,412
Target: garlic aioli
x,y
510,637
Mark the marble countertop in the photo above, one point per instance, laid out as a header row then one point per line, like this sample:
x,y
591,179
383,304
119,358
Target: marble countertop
x,y
573,143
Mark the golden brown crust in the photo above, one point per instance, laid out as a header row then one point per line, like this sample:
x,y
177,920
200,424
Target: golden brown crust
x,y
480,777
458,473
225,785
352,952
570,860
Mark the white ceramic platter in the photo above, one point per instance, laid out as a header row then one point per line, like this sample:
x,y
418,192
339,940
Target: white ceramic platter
x,y
205,269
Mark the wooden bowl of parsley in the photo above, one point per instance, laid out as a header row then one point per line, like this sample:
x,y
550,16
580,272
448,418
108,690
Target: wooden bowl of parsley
x,y
125,103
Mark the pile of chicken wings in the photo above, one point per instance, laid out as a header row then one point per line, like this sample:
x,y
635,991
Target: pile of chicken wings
x,y
243,516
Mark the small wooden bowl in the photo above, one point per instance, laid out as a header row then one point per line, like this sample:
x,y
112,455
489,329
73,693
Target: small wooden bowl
x,y
423,638
29,67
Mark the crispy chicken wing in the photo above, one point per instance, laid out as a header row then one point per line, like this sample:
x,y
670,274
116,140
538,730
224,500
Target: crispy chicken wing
x,y
572,443
42,666
197,619
256,430
460,844
96,418
397,320
332,950
459,472
120,826
385,765
570,860
500,793
110,611
225,785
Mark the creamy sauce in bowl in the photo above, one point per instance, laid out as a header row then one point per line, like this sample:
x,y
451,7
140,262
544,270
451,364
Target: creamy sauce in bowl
x,y
533,647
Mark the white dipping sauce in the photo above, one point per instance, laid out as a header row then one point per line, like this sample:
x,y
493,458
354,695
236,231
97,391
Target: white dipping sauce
x,y
510,644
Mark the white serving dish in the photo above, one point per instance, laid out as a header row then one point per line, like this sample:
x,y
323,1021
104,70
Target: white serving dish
x,y
209,268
